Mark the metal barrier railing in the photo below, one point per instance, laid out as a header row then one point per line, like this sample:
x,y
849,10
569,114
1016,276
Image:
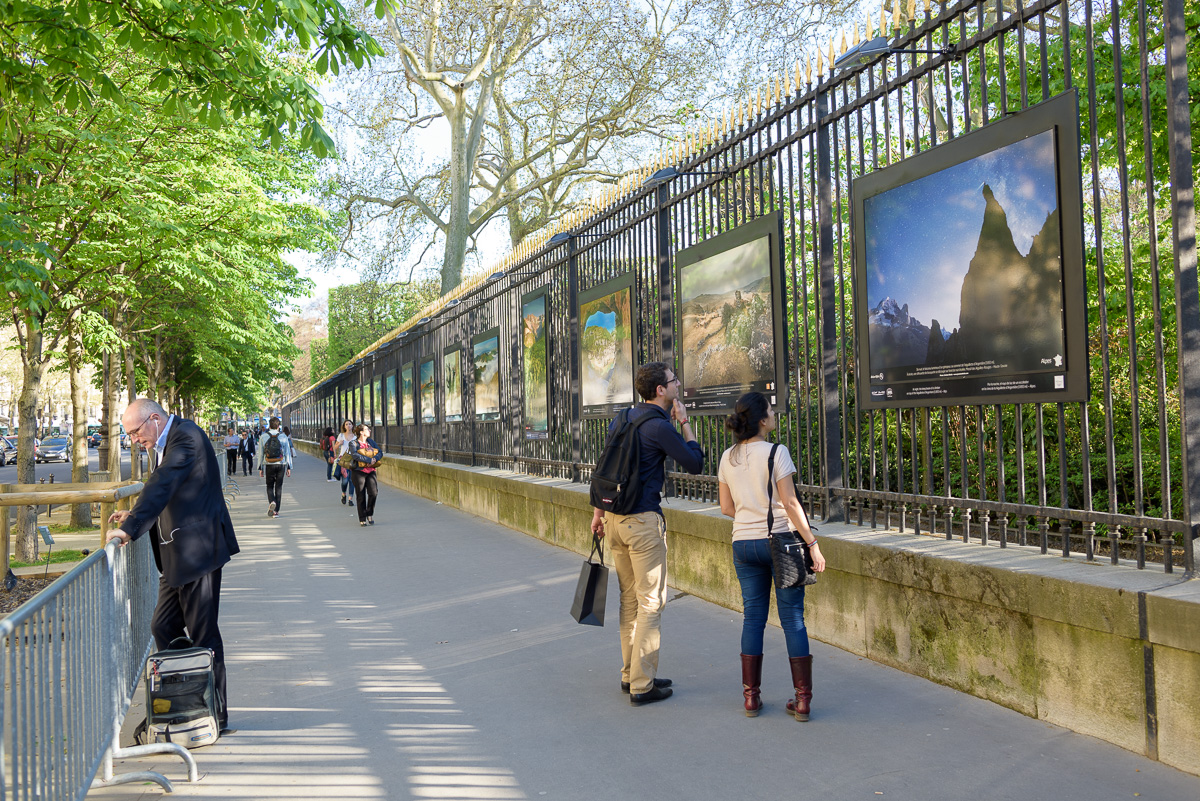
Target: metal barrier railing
x,y
71,659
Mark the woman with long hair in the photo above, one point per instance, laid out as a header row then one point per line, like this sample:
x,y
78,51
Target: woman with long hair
x,y
743,476
367,457
343,447
328,443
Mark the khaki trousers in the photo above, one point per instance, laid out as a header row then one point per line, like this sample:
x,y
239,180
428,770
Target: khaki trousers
x,y
638,544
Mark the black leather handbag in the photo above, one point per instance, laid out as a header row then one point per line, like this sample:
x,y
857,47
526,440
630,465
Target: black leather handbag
x,y
791,563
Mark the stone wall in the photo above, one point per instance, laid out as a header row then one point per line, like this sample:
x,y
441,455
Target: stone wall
x,y
1109,652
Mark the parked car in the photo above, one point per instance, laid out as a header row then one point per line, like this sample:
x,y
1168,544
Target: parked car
x,y
94,439
54,449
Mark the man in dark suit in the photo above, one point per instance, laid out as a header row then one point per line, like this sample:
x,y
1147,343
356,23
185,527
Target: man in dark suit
x,y
192,535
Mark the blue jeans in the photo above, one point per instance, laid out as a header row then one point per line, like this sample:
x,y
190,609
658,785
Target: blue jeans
x,y
329,468
752,561
347,484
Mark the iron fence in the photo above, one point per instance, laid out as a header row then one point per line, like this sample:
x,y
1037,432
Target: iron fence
x,y
72,657
1115,477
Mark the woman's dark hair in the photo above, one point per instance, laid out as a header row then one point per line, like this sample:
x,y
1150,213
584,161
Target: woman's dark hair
x,y
750,410
358,429
343,428
329,432
286,431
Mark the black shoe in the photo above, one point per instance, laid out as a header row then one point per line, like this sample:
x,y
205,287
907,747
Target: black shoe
x,y
661,684
343,499
362,523
370,521
656,694
226,731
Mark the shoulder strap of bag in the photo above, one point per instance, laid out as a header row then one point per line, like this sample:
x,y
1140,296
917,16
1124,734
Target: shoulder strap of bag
x,y
771,490
597,549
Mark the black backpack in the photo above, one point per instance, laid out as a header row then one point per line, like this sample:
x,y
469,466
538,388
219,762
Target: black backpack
x,y
617,479
272,449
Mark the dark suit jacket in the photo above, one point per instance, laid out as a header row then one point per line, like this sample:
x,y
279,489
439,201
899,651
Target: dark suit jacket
x,y
183,509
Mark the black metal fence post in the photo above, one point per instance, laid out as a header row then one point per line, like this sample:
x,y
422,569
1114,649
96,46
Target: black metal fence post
x,y
666,315
1187,291
831,421
573,336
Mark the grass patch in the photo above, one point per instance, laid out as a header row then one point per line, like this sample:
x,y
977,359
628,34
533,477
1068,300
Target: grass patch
x,y
67,528
56,556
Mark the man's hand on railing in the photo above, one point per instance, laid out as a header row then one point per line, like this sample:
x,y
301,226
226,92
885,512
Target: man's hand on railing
x,y
117,534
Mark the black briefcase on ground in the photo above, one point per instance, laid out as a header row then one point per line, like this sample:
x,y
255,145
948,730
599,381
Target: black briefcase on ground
x,y
592,589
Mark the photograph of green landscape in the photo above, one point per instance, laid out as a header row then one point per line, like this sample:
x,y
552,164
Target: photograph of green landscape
x,y
428,403
452,372
606,345
487,375
534,365
408,414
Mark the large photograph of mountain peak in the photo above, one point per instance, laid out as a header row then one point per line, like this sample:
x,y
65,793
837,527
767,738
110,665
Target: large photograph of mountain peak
x,y
968,258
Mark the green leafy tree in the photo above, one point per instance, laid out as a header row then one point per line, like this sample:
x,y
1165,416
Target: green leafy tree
x,y
359,314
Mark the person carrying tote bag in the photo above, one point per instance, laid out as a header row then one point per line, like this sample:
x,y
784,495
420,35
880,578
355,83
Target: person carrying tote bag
x,y
743,485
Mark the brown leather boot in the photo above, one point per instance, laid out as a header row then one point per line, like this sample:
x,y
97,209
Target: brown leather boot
x,y
751,680
802,681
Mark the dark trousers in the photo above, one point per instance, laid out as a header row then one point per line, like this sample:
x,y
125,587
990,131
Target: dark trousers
x,y
231,458
247,463
329,468
274,474
192,609
365,488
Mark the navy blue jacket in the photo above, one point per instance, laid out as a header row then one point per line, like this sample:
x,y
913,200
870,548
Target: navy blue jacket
x,y
182,507
660,440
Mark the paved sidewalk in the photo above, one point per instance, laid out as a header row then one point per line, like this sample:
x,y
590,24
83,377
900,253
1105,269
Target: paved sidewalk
x,y
432,657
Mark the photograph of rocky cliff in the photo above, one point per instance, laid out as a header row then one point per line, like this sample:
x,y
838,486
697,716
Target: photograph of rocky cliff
x,y
965,265
727,321
606,342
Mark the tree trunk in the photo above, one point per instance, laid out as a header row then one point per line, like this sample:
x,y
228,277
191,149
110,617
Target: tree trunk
x,y
81,513
135,464
457,226
114,423
27,409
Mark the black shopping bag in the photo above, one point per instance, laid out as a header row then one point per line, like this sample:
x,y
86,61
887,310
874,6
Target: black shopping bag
x,y
592,589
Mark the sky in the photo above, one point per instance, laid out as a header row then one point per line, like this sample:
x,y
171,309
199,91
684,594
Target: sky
x,y
727,271
921,236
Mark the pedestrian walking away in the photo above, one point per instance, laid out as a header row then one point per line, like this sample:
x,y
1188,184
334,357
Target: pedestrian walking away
x,y
328,443
288,433
366,457
183,509
637,537
232,443
744,478
274,462
344,440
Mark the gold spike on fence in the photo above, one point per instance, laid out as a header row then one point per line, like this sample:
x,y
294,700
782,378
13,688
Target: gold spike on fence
x,y
896,24
869,34
832,56
842,45
912,10
926,4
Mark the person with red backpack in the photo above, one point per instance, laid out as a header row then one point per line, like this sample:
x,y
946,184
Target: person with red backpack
x,y
328,443
637,532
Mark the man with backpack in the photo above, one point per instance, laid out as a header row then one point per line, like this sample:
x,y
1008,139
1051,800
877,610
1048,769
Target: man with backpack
x,y
627,493
274,461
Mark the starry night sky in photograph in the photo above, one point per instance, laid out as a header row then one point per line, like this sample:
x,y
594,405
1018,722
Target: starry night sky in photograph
x,y
920,237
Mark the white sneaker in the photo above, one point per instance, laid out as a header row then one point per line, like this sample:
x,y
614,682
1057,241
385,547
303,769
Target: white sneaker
x,y
271,509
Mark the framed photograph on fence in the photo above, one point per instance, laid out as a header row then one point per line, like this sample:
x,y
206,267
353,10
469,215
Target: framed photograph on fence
x,y
428,392
452,383
486,353
535,364
731,322
968,258
389,399
606,346
377,402
408,412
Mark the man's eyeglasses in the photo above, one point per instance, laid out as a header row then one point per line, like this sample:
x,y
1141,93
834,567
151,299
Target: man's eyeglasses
x,y
133,432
